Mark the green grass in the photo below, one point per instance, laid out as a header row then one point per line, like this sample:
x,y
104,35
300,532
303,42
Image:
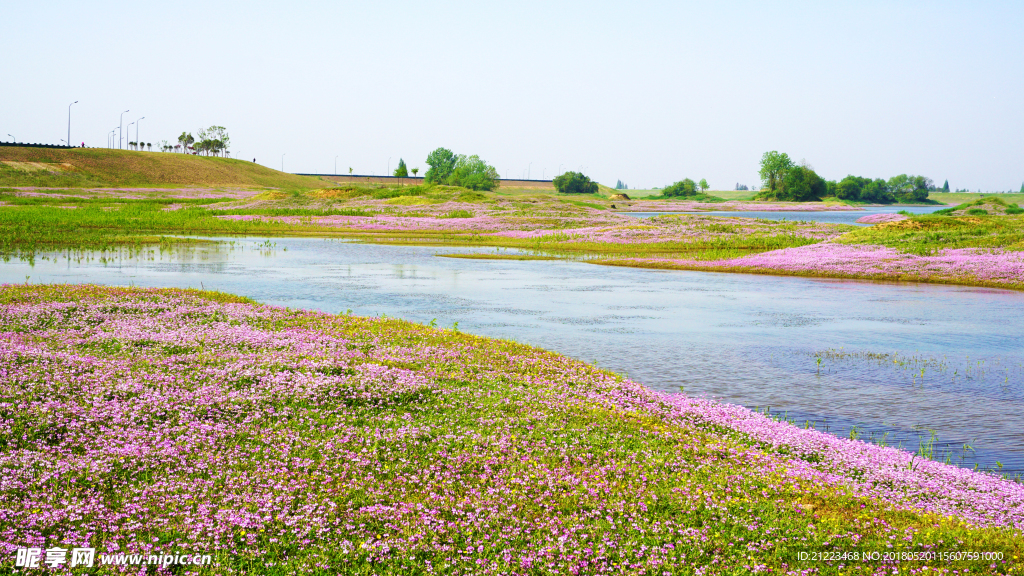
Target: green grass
x,y
725,195
74,198
704,198
99,167
955,198
26,230
479,256
924,235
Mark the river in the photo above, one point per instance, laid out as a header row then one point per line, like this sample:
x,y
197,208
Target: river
x,y
930,367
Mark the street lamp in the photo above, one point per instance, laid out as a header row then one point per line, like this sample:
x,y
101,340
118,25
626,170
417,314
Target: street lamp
x,y
130,128
528,166
13,139
282,162
69,122
120,133
388,173
559,168
137,129
335,165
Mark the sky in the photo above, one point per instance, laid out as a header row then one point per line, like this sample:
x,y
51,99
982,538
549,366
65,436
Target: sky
x,y
644,92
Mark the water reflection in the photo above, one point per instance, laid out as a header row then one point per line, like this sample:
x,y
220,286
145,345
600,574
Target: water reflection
x,y
915,364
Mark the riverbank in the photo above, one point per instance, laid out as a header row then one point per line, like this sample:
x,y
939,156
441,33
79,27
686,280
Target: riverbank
x,y
977,245
279,441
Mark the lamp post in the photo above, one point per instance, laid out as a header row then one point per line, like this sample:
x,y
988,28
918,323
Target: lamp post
x,y
335,165
130,128
137,130
69,122
282,162
13,139
388,173
120,133
559,168
528,166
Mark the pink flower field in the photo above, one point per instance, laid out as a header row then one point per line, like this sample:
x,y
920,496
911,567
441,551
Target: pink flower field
x,y
828,259
279,441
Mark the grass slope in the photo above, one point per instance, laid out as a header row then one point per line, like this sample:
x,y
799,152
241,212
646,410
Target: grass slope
x,y
100,167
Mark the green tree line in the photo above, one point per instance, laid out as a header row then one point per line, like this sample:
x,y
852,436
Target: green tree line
x,y
784,180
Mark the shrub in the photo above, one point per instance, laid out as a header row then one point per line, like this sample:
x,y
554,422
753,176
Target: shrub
x,y
1014,209
684,187
457,214
574,183
473,173
800,184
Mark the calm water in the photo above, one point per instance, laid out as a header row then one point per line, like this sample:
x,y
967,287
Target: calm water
x,y
837,217
897,360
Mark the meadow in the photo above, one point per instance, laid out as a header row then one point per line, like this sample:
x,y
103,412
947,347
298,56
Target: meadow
x,y
978,243
162,198
144,421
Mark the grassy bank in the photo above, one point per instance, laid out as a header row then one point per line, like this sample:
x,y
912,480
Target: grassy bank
x,y
288,442
100,167
979,243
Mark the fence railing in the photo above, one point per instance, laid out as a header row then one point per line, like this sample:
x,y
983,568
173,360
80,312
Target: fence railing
x,y
27,145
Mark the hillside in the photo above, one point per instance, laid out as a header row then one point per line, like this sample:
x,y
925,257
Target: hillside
x,y
100,167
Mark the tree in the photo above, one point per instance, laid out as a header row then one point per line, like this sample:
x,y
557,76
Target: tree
x,y
774,166
185,140
618,184
349,169
909,188
574,183
703,185
401,171
442,164
684,187
945,186
473,173
801,184
415,171
213,140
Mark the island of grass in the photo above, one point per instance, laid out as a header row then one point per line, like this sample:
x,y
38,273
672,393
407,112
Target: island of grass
x,y
278,441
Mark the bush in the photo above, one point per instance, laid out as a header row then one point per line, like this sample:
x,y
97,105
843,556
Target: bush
x,y
684,187
442,164
457,214
473,173
575,183
466,171
800,184
1014,209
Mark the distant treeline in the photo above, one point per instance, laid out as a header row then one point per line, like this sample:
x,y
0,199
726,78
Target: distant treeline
x,y
786,181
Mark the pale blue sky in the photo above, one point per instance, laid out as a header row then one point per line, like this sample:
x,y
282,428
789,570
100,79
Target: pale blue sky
x,y
645,92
